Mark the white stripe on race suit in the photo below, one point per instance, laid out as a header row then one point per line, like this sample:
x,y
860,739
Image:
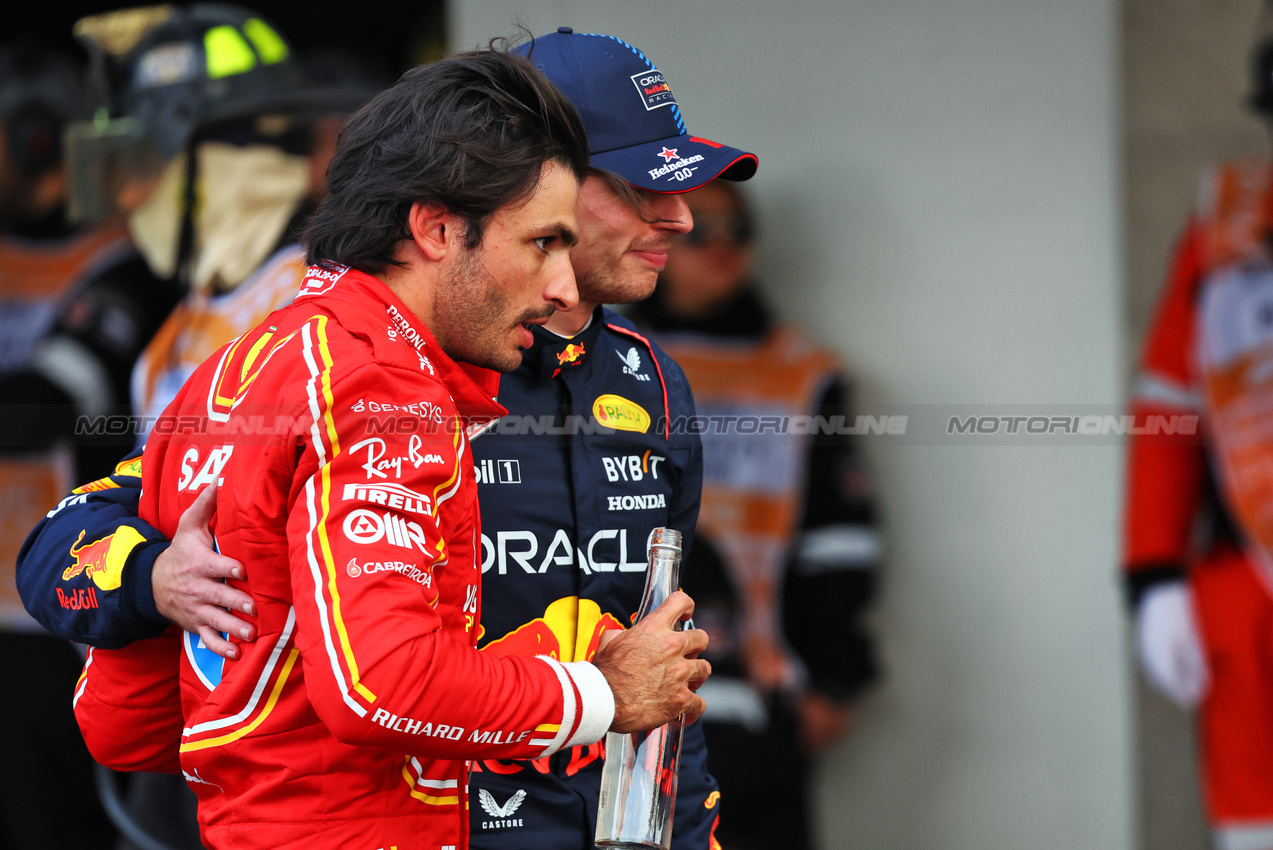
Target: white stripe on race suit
x,y
1163,390
246,711
84,684
311,503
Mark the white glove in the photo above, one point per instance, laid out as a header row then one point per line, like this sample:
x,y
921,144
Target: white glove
x,y
1169,644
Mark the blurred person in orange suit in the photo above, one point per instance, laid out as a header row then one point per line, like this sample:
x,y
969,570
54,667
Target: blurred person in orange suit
x,y
1198,552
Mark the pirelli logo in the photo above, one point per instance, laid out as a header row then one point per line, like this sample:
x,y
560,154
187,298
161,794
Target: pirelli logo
x,y
391,496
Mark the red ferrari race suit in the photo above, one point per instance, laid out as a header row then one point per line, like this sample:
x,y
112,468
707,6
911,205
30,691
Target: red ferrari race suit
x,y
339,433
1208,354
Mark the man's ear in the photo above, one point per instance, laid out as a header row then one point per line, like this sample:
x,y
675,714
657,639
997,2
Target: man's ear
x,y
434,229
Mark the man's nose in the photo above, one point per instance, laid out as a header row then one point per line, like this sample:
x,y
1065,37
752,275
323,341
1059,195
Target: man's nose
x,y
672,212
561,289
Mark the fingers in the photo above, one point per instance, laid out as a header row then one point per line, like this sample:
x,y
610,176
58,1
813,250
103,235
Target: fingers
x,y
700,672
695,710
219,566
234,599
218,644
220,620
606,637
199,515
695,642
677,607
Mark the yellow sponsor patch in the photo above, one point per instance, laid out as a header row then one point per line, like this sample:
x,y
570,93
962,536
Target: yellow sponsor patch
x,y
615,411
103,560
130,468
95,486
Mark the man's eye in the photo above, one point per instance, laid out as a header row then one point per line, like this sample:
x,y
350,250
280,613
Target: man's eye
x,y
543,242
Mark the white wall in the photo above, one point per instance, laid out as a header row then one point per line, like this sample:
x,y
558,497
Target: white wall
x,y
939,201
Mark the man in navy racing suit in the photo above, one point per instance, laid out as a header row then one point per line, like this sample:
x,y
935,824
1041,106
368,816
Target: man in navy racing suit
x,y
567,506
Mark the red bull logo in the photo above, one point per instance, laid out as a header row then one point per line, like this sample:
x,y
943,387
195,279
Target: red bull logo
x,y
77,600
570,630
103,560
569,354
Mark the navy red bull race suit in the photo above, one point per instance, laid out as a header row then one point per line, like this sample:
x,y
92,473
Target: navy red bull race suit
x,y
571,482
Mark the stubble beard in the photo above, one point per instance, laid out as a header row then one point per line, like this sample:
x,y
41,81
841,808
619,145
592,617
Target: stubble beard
x,y
611,283
471,300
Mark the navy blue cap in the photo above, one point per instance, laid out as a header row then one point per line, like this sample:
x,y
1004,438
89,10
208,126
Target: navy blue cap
x,y
635,127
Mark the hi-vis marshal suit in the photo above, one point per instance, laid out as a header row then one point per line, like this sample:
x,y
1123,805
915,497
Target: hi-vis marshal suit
x,y
1209,353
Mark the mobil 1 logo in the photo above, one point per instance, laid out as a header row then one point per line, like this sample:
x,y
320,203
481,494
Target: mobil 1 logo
x,y
492,471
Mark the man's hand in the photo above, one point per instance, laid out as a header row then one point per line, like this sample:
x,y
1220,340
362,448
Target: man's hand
x,y
654,670
188,581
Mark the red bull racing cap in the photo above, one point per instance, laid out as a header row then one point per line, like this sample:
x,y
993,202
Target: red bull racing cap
x,y
635,127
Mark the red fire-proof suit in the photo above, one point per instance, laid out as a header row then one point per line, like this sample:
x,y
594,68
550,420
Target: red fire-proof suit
x,y
338,431
1207,356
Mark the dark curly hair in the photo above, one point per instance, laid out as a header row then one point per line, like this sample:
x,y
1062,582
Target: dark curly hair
x,y
470,133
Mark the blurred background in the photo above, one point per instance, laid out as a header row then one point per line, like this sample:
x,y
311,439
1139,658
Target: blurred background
x,y
973,202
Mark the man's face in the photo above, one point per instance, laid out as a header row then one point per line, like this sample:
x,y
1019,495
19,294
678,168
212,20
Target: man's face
x,y
619,255
518,275
714,262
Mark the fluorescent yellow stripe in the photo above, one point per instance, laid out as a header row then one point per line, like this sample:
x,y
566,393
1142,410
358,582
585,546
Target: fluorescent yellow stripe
x,y
260,718
323,542
547,727
217,398
455,473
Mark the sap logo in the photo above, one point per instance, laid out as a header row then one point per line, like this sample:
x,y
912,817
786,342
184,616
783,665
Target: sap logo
x,y
636,503
363,526
632,467
491,471
606,552
209,472
390,496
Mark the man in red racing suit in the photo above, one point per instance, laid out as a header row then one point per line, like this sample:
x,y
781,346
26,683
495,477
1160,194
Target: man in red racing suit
x,y
368,588
334,439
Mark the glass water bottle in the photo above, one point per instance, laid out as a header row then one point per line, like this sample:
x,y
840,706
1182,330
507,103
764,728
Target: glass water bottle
x,y
638,780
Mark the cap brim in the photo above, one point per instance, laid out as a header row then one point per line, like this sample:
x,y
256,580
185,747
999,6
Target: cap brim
x,y
677,164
